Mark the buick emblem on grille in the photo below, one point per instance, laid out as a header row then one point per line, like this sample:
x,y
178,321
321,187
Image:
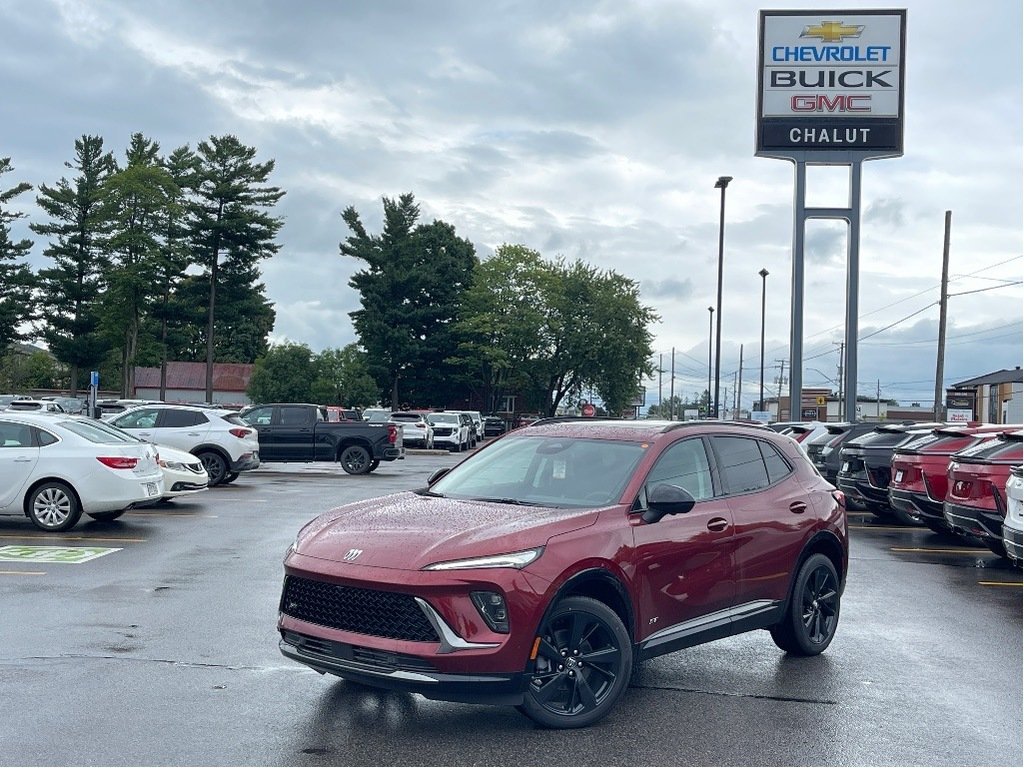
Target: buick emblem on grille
x,y
352,554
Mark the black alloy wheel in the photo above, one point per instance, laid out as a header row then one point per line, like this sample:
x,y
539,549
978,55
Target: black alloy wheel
x,y
230,477
813,612
355,460
583,665
215,466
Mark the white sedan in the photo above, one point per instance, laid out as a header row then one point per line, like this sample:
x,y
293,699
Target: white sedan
x,y
54,467
184,474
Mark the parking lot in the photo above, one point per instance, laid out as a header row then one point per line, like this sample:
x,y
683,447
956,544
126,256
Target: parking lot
x,y
159,647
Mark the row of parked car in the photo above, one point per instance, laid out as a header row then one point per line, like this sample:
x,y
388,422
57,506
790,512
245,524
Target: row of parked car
x,y
451,429
957,479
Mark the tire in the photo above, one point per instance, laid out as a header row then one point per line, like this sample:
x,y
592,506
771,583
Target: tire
x,y
53,507
106,517
230,477
374,464
573,687
355,460
813,610
215,466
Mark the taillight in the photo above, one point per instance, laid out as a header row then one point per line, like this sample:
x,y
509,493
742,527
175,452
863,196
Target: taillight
x,y
119,462
239,431
392,433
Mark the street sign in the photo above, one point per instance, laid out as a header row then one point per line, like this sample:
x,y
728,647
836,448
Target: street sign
x,y
94,379
588,409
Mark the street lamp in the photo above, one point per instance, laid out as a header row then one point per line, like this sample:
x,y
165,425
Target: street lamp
x,y
764,284
722,183
711,319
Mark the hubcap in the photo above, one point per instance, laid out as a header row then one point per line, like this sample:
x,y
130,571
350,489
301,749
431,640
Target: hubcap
x,y
820,601
52,507
577,664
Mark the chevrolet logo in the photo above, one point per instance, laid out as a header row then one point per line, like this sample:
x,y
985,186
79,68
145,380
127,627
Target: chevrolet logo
x,y
351,555
833,31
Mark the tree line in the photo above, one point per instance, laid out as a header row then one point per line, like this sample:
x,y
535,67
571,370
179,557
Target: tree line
x,y
153,258
157,258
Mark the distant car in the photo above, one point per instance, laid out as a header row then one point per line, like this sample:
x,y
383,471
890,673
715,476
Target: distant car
x,y
47,406
451,430
1013,524
538,571
54,467
494,426
6,400
337,413
475,427
806,432
416,430
220,439
74,405
376,415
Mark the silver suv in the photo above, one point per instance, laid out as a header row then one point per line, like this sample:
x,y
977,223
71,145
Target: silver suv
x,y
218,437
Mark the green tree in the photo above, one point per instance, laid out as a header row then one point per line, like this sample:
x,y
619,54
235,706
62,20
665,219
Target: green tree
x,y
343,379
411,293
70,291
135,201
230,217
16,279
283,375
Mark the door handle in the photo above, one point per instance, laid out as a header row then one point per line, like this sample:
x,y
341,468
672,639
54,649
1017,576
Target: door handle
x,y
718,524
22,460
145,434
193,434
798,507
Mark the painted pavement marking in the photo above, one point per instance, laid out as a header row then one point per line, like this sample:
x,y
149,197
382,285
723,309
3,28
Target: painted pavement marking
x,y
31,554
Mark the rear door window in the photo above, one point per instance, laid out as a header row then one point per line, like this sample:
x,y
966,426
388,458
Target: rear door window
x,y
741,464
178,417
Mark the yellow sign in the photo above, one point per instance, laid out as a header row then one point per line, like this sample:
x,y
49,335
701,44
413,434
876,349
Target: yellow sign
x,y
821,400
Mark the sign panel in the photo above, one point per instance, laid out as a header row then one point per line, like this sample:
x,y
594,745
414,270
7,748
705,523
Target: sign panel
x,y
959,415
831,81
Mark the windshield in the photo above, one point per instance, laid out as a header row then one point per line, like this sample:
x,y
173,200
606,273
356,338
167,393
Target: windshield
x,y
443,418
545,471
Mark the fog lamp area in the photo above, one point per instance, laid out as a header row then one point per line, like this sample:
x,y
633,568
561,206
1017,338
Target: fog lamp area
x,y
491,606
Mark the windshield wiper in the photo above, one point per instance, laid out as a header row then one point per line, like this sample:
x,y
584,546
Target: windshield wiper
x,y
507,500
428,492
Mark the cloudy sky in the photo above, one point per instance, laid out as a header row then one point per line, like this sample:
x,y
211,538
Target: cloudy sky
x,y
592,130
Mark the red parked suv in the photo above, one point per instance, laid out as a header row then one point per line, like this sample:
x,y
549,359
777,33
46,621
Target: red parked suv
x,y
537,571
918,485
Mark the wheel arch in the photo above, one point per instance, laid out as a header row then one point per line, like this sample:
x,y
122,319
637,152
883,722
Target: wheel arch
x,y
828,544
348,442
602,585
43,481
213,448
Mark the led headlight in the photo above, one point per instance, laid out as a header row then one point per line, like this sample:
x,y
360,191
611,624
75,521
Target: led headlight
x,y
510,560
492,607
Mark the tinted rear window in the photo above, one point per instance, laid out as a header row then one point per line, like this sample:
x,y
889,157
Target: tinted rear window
x,y
95,434
741,464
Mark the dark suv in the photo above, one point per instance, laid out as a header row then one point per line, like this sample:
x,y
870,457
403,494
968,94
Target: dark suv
x,y
538,570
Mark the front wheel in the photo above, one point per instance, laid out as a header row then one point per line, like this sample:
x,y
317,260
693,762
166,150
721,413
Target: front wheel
x,y
355,460
230,477
53,507
106,517
583,665
215,466
813,611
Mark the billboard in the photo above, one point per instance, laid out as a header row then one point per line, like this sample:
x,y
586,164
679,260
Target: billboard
x,y
831,81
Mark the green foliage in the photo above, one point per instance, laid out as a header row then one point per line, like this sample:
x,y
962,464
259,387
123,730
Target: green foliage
x,y
411,292
284,375
16,279
71,289
342,379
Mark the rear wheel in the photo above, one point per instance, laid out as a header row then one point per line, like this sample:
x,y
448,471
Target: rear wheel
x,y
230,477
215,465
355,460
53,507
106,517
583,665
813,611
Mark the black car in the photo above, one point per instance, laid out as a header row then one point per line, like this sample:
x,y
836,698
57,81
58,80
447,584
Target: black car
x,y
494,426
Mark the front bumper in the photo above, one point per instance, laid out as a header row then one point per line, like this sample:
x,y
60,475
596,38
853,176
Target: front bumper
x,y
1012,542
983,523
400,672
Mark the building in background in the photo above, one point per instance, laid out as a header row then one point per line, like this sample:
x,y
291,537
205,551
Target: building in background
x,y
186,383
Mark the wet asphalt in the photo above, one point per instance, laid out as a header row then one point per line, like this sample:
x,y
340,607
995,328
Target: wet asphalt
x,y
164,652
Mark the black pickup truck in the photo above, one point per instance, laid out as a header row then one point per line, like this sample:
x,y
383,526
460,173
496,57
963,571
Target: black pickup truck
x,y
301,432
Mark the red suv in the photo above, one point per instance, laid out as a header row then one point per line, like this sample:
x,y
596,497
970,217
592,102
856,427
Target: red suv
x,y
537,571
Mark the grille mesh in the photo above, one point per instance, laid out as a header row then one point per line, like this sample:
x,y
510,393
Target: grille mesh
x,y
367,611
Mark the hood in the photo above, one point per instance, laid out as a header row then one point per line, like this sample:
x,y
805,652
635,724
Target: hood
x,y
408,531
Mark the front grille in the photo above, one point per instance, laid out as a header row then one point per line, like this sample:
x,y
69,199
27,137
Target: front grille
x,y
367,611
382,660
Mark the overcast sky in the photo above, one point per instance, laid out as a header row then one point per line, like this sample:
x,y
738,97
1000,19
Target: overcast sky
x,y
592,130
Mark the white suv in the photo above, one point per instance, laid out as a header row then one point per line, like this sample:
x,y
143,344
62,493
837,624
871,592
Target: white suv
x,y
219,438
451,430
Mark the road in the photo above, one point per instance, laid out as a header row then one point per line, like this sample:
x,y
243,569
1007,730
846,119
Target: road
x,y
164,652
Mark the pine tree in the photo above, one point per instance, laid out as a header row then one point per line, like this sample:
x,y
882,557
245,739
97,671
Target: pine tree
x,y
16,279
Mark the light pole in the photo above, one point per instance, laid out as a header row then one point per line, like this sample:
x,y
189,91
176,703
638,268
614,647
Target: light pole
x,y
711,320
764,284
722,183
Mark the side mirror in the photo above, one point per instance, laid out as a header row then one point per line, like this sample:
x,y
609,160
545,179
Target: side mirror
x,y
666,499
437,475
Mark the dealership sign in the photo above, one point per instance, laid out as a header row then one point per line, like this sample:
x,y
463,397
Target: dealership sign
x,y
831,81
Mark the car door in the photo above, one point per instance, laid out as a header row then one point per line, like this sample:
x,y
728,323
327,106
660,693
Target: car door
x,y
182,428
771,512
683,562
141,422
19,455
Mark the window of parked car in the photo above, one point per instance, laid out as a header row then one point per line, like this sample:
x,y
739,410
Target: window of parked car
x,y
143,418
44,438
684,464
293,415
95,434
15,435
741,464
180,417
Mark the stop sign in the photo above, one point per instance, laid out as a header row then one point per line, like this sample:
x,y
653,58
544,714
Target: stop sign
x,y
588,409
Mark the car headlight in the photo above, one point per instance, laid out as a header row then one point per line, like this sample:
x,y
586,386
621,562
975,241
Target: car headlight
x,y
511,560
176,465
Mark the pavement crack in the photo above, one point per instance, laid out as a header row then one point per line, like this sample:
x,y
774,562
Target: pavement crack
x,y
679,689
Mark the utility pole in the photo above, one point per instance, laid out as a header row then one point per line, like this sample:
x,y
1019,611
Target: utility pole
x,y
739,387
943,296
672,389
878,399
735,395
661,373
842,348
